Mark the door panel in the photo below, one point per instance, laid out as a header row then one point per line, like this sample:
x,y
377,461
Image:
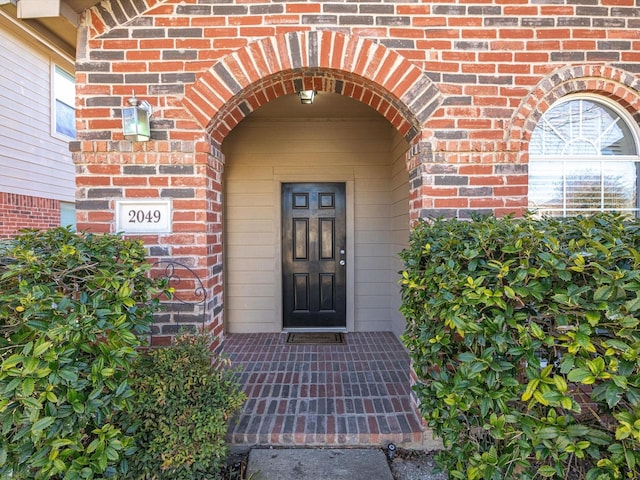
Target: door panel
x,y
313,255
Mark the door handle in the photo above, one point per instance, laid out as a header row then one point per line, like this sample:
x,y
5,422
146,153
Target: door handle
x,y
342,262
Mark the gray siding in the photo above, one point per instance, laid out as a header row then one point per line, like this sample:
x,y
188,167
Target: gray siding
x,y
32,161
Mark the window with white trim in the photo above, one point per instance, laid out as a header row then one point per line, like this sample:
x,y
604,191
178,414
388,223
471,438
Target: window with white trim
x,y
63,104
583,158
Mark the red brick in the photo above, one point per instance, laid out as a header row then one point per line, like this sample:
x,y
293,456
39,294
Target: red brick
x,y
558,10
450,202
100,217
468,22
93,181
141,193
302,8
414,10
137,55
120,44
515,33
510,191
520,72
429,21
172,22
246,20
485,202
521,11
209,21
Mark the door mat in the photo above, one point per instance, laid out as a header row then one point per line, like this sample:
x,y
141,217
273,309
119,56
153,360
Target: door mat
x,y
315,338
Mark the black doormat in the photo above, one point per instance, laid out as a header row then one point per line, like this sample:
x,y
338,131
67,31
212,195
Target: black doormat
x,y
315,338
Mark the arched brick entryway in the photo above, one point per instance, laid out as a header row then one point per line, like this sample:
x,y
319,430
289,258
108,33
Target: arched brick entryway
x,y
323,60
219,100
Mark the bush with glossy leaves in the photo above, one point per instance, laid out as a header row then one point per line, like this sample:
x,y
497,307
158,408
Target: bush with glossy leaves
x,y
73,309
524,334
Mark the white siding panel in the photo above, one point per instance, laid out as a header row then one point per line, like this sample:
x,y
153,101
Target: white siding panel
x,y
263,291
255,239
399,212
253,277
256,225
32,162
243,264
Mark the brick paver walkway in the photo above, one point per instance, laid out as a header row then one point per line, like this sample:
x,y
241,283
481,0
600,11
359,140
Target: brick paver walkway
x,y
352,394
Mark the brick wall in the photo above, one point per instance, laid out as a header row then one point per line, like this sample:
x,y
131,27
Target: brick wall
x,y
464,82
21,211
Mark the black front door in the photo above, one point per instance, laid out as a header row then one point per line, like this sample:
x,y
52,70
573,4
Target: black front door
x,y
314,255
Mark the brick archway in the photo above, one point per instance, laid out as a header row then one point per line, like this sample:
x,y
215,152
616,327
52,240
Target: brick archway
x,y
326,61
609,82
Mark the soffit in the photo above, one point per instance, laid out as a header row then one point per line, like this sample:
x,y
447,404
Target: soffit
x,y
56,21
325,105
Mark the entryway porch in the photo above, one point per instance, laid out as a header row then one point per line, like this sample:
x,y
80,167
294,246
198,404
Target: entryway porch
x,y
351,394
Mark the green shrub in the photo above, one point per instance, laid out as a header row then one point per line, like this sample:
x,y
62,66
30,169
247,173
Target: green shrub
x,y
524,336
71,311
185,397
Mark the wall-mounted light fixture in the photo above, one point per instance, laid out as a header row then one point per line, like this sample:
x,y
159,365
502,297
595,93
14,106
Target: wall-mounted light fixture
x,y
307,96
135,120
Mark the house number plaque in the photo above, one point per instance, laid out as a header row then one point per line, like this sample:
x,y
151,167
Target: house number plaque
x,y
143,216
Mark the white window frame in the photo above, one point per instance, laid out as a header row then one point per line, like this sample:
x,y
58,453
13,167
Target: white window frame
x,y
66,96
602,159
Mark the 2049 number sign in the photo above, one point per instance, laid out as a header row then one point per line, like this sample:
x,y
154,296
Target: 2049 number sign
x,y
145,216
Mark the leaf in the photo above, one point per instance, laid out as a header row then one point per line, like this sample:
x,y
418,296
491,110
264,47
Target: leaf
x,y
598,437
536,331
567,403
12,385
602,293
596,365
94,445
41,348
630,458
633,305
466,357
531,387
68,375
548,432
32,403
28,385
42,424
547,471
593,317
491,457
582,376
613,394
12,361
564,275
60,465
560,383
577,430
622,432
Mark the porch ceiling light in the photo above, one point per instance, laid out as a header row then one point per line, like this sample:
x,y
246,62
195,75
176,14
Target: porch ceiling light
x,y
306,96
135,120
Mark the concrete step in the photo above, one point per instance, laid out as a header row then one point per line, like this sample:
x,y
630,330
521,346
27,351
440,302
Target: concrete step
x,y
318,464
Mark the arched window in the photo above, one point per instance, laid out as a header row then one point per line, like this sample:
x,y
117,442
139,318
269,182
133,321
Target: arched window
x,y
583,158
